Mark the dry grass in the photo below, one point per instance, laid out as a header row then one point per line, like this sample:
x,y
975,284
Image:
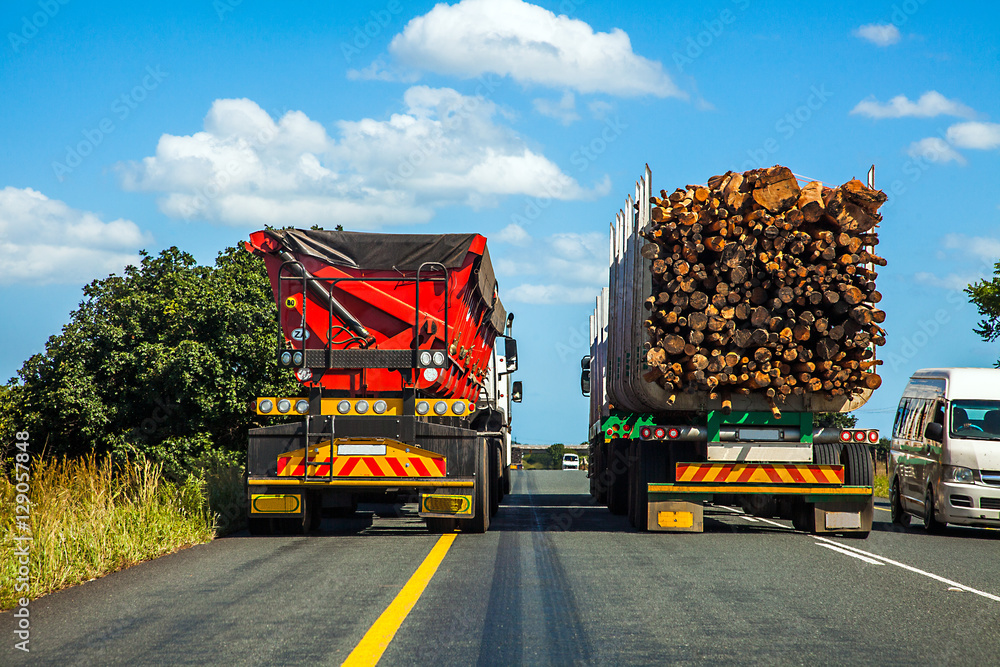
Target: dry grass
x,y
90,518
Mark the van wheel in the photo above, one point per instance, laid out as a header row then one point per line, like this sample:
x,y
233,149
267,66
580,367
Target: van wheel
x,y
899,515
931,525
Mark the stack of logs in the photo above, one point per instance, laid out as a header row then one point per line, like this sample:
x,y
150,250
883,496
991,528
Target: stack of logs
x,y
763,287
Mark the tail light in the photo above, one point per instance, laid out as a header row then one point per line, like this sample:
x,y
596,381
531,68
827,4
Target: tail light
x,y
660,433
859,436
646,432
845,436
673,433
873,436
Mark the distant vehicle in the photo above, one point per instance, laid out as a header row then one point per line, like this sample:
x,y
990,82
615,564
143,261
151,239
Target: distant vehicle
x,y
571,462
945,457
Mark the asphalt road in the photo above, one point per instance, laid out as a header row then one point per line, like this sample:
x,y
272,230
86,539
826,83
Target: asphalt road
x,y
555,581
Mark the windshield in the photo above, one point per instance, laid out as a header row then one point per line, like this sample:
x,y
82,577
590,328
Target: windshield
x,y
979,420
570,458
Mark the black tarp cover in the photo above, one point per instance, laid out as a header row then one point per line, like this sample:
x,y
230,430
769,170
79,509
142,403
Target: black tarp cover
x,y
403,252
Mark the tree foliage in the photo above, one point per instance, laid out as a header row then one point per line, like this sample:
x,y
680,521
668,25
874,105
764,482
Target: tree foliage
x,y
834,420
162,361
985,294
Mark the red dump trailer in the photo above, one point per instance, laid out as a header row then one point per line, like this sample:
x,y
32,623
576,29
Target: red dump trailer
x,y
394,340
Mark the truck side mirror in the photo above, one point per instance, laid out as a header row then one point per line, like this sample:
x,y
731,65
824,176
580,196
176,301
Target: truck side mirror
x,y
515,391
585,363
585,382
510,352
934,431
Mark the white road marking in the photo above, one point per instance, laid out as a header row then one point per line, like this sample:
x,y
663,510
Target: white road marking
x,y
852,554
910,568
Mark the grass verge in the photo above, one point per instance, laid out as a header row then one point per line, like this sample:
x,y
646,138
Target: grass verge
x,y
882,486
89,518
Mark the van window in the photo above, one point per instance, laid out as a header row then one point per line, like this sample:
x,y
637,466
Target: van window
x,y
897,426
979,420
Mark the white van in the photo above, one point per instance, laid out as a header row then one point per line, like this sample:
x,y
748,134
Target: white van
x,y
945,458
571,462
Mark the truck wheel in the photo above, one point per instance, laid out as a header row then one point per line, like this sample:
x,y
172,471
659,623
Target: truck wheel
x,y
826,454
617,474
260,527
598,480
899,515
440,526
480,522
803,517
315,511
931,524
858,467
652,464
496,479
633,483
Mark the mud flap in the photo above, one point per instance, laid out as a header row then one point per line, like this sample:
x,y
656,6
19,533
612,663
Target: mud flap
x,y
675,516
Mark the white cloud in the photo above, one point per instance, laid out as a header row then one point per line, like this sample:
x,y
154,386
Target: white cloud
x,y
973,252
45,241
982,136
531,45
984,248
245,168
935,149
952,281
564,110
600,109
550,294
930,104
879,34
573,266
513,234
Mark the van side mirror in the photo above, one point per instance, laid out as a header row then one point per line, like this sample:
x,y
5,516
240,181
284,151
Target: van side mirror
x,y
515,391
510,352
934,431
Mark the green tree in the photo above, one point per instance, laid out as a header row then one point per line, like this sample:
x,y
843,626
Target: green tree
x,y
161,361
834,420
555,453
985,294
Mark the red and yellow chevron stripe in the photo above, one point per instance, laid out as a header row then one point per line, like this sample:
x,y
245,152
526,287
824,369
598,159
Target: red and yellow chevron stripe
x,y
759,473
399,460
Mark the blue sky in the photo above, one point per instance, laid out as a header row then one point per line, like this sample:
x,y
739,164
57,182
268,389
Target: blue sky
x,y
128,126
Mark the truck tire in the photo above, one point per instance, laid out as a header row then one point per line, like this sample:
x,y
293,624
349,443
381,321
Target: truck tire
x,y
440,526
899,515
633,480
260,527
496,479
651,464
617,476
826,454
480,522
598,480
858,467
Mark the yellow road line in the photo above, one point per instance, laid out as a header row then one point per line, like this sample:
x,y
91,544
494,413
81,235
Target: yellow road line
x,y
371,647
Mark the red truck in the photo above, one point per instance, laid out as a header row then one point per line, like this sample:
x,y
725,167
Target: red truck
x,y
396,341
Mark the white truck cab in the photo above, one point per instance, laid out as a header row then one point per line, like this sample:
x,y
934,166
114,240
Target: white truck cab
x,y
945,456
